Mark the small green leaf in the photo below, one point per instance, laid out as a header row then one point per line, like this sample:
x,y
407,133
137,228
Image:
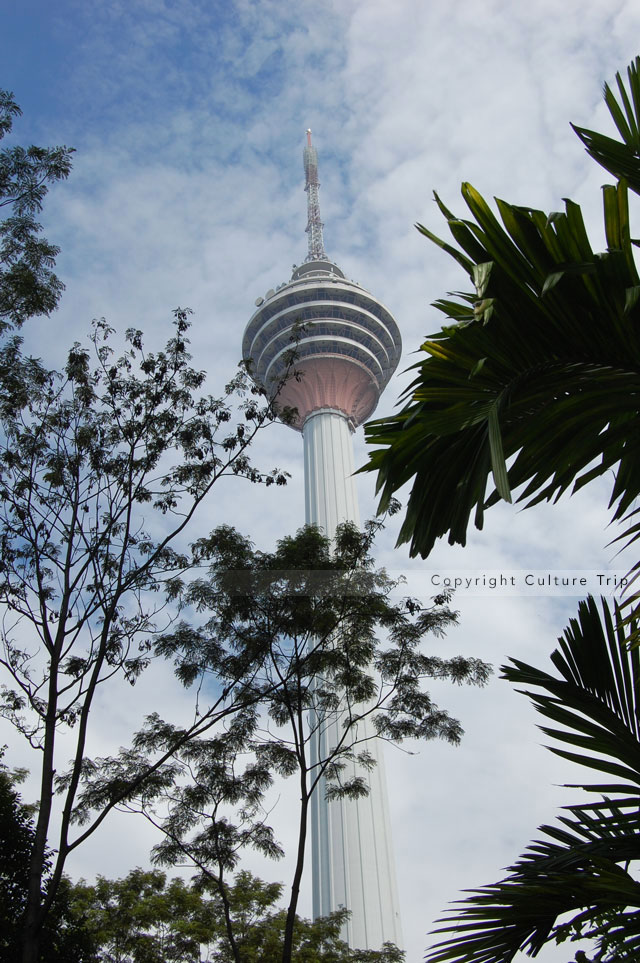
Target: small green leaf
x,y
551,280
631,298
498,464
477,368
481,275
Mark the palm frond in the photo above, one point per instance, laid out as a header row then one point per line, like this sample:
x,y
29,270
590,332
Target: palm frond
x,y
538,368
546,372
619,157
581,865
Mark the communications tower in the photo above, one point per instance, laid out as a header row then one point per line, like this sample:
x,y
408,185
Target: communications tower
x,y
348,350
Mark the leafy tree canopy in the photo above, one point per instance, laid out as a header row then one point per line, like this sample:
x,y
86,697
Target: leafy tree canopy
x,y
310,640
28,285
64,938
145,918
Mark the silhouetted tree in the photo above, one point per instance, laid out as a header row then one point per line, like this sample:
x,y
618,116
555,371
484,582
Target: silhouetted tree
x,y
102,468
323,648
28,285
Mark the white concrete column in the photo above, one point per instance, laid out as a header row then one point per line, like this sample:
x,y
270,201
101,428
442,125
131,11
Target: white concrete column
x,y
352,853
330,494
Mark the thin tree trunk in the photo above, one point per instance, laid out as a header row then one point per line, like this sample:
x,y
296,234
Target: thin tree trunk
x,y
33,913
287,948
228,922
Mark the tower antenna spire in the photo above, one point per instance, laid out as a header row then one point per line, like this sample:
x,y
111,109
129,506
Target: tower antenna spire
x,y
314,223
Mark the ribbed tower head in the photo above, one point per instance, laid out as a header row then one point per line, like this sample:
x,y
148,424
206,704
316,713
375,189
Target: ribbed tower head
x,y
350,344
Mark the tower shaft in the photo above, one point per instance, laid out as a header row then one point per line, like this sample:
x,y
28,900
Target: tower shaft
x,y
352,854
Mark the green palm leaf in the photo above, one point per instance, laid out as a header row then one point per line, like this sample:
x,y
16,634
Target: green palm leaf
x,y
581,865
533,387
620,158
551,376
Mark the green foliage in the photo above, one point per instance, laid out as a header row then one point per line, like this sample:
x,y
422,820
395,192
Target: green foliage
x,y
16,833
28,285
539,369
65,938
619,157
144,918
261,927
587,864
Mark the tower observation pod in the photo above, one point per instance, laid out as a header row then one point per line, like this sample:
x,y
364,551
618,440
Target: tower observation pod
x,y
348,349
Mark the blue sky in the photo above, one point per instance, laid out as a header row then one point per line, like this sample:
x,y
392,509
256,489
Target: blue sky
x,y
188,119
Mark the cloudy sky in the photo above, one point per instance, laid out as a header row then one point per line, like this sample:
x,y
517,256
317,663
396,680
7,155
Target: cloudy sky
x,y
188,119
